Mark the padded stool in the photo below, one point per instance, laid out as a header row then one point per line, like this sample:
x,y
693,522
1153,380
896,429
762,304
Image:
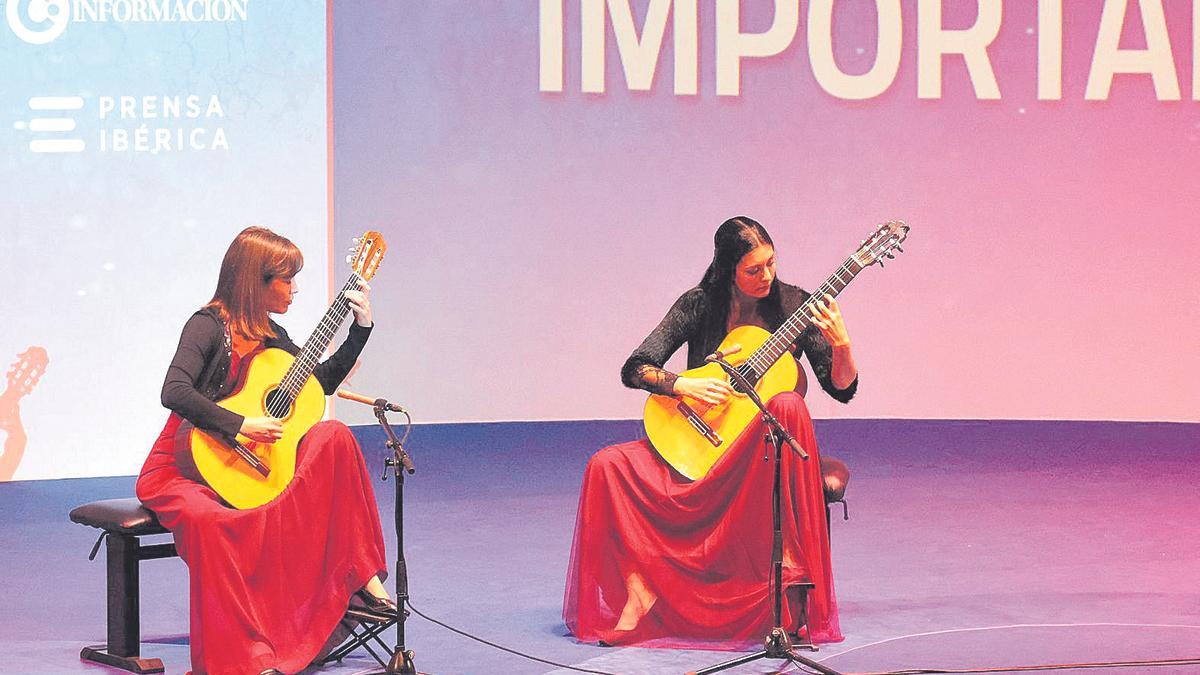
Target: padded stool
x,y
123,521
835,475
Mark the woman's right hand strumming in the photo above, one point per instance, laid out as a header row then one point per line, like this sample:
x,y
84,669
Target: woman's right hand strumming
x,y
262,429
708,389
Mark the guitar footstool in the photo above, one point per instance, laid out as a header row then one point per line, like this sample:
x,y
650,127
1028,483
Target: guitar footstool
x,y
123,521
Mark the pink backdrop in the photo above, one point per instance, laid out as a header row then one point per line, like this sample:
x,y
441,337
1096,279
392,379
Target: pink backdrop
x,y
538,236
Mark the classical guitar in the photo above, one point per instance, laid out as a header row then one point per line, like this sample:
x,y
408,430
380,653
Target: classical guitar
x,y
247,473
691,435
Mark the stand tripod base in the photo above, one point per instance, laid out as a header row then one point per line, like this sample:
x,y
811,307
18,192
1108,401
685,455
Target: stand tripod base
x,y
401,663
777,646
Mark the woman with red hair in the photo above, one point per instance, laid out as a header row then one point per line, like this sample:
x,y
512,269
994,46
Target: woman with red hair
x,y
270,584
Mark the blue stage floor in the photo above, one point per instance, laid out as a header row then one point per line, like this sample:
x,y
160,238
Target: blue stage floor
x,y
970,544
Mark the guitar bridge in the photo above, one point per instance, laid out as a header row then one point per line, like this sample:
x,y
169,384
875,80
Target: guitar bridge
x,y
699,424
248,456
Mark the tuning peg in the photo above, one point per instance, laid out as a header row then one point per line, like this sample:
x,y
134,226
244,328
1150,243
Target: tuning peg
x,y
349,260
355,239
899,249
880,261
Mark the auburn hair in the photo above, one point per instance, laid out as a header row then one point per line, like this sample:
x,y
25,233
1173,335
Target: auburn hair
x,y
256,257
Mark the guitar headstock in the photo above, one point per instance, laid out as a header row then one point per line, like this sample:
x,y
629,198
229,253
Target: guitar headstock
x,y
26,371
883,243
367,254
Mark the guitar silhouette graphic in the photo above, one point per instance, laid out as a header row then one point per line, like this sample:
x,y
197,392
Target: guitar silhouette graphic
x,y
22,377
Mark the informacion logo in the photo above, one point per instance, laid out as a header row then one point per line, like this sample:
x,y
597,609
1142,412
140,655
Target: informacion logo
x,y
45,20
41,12
53,126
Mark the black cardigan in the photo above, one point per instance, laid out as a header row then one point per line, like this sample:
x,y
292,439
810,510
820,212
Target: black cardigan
x,y
684,323
197,374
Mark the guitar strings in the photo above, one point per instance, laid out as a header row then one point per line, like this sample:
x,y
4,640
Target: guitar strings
x,y
320,338
770,351
765,356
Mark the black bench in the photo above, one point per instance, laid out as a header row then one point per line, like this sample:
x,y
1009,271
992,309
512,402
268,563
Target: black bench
x,y
123,522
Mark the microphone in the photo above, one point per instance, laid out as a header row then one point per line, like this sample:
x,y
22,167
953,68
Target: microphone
x,y
373,402
718,355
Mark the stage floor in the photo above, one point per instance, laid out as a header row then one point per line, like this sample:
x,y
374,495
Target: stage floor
x,y
969,544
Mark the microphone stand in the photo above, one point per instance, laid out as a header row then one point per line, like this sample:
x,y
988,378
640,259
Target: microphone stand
x,y
401,662
777,643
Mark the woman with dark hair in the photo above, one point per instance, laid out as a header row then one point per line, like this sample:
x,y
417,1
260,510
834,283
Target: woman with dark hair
x,y
270,584
663,560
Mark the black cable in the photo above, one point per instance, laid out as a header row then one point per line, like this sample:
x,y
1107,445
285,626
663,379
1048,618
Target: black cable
x,y
407,430
407,427
500,647
909,671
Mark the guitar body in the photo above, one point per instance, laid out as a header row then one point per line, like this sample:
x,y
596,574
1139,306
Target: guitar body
x,y
669,420
229,475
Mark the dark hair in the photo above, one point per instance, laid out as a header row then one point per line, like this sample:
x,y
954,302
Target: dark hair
x,y
255,257
734,239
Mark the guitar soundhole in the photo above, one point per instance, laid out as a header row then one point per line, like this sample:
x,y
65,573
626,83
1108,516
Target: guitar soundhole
x,y
278,404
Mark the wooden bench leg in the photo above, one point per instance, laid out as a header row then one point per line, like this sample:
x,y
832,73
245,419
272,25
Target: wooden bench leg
x,y
124,631
133,664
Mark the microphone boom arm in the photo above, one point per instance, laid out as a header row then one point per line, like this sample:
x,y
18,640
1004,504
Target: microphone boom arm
x,y
744,384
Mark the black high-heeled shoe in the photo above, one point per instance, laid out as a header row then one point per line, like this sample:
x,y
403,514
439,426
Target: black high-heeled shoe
x,y
373,608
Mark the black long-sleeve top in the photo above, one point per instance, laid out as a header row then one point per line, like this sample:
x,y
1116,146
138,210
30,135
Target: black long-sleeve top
x,y
197,374
685,322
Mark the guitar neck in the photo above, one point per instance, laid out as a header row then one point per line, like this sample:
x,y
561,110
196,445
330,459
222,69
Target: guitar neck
x,y
319,341
777,345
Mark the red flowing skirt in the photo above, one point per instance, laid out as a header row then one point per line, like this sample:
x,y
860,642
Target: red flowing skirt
x,y
270,584
703,547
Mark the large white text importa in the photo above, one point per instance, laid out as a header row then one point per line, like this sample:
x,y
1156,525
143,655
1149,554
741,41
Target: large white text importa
x,y
639,48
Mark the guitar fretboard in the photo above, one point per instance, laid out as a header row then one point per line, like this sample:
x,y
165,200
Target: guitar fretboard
x,y
777,345
319,341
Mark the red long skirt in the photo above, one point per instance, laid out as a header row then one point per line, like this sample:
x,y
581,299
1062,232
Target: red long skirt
x,y
703,547
270,584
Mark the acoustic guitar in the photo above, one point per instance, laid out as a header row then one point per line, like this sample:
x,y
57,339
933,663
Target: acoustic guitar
x,y
691,435
247,473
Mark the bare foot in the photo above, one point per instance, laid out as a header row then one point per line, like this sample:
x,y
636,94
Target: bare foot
x,y
375,588
641,599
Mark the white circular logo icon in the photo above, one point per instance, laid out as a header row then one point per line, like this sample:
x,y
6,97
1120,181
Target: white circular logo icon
x,y
54,12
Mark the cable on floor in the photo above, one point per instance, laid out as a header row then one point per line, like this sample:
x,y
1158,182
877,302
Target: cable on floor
x,y
500,647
